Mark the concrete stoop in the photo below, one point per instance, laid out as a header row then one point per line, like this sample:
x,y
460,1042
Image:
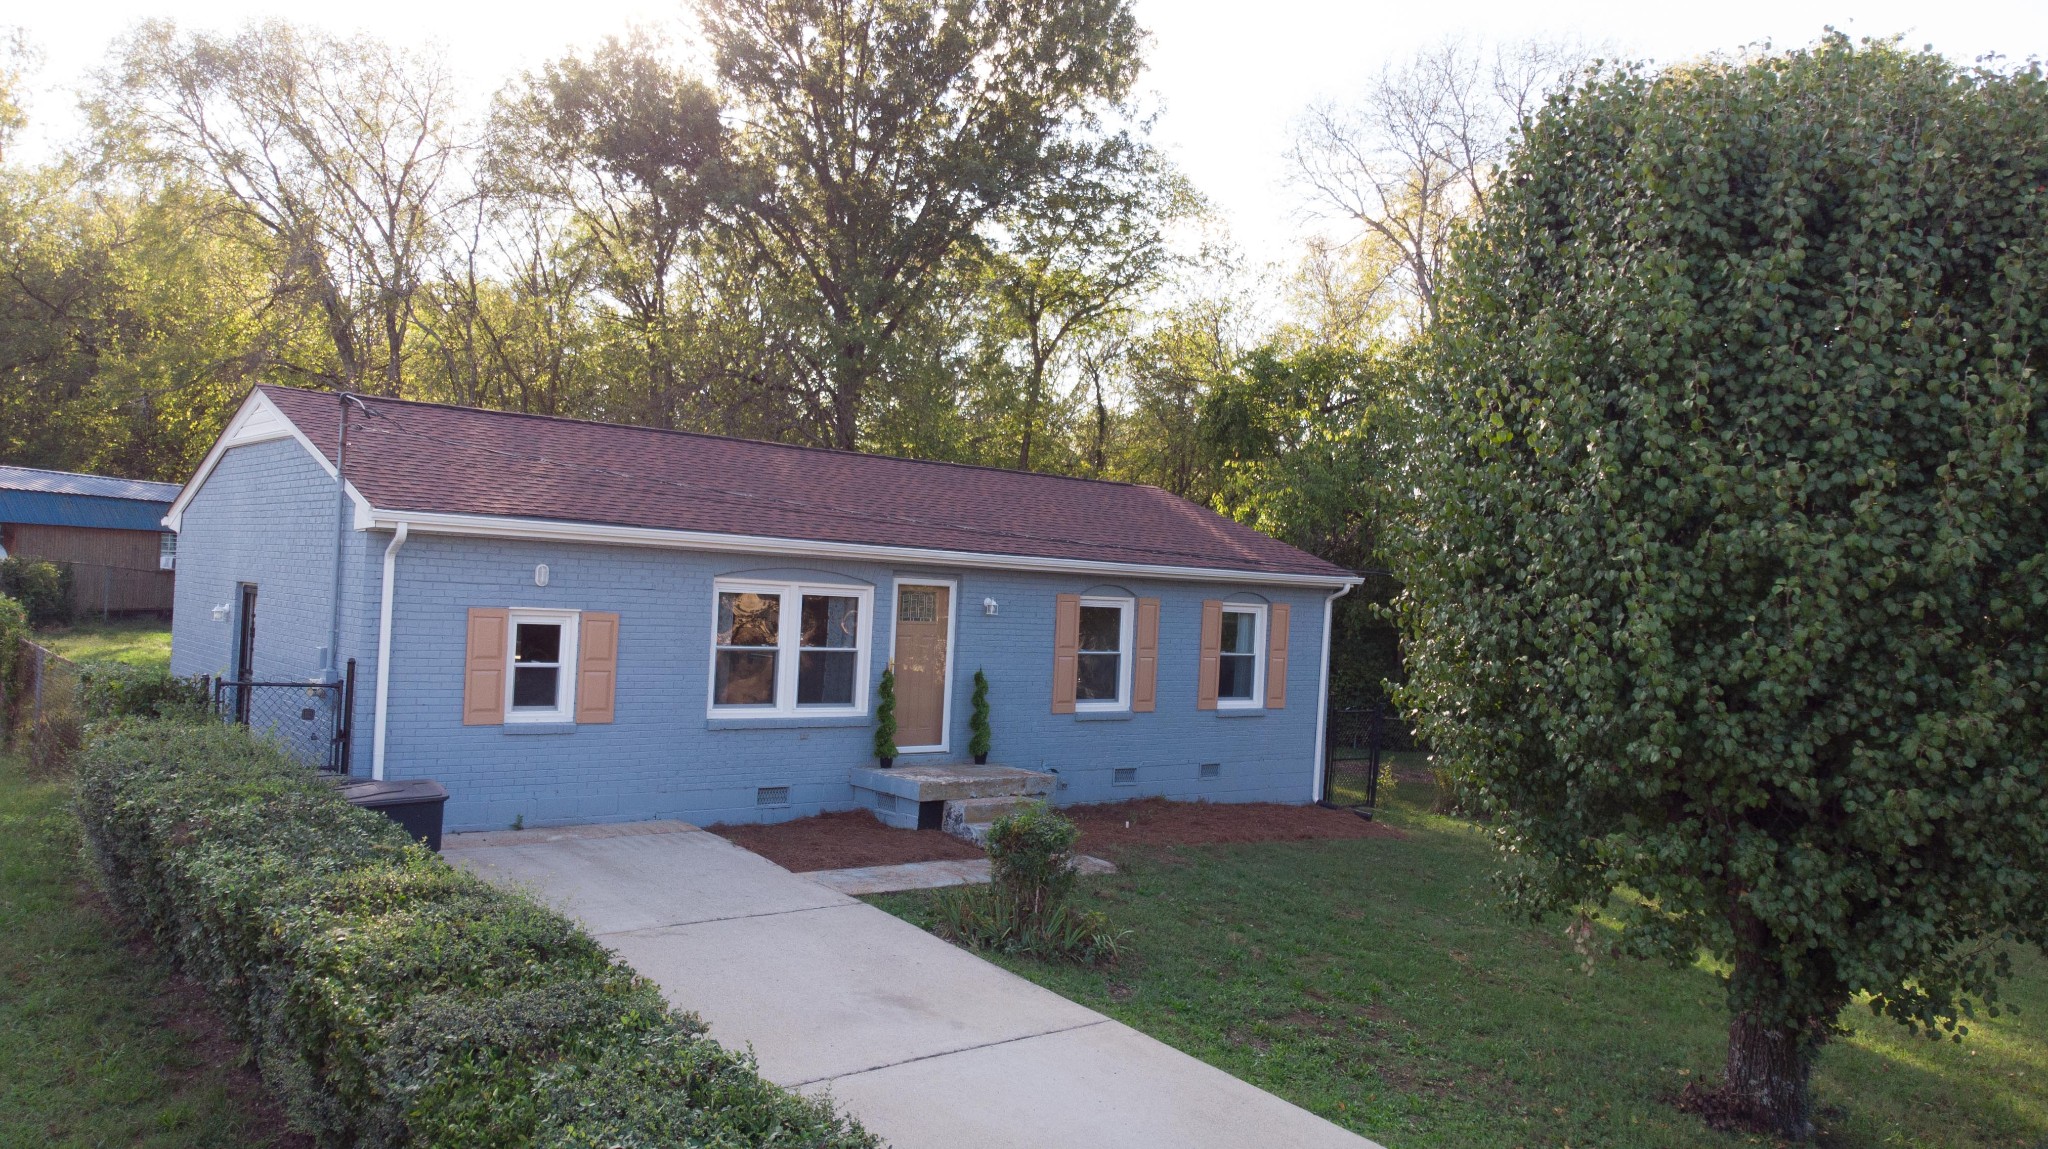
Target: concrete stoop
x,y
961,799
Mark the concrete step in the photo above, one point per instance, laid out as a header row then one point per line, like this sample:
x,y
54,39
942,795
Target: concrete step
x,y
970,818
912,796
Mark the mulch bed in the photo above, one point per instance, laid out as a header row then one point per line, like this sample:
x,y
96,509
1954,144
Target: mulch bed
x,y
844,841
854,838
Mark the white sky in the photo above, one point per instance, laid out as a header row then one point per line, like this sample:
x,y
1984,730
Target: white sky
x,y
1230,77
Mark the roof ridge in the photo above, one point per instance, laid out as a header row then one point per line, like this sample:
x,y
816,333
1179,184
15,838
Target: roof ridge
x,y
721,438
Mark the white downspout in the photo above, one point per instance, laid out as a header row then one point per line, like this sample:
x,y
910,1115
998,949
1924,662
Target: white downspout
x,y
1322,697
384,648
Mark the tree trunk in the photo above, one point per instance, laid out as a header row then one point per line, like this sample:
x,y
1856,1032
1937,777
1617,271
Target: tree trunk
x,y
1767,1075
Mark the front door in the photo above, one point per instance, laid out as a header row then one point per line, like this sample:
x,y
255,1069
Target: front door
x,y
923,614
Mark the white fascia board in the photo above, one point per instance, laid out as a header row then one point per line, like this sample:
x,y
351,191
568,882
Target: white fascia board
x,y
555,530
258,421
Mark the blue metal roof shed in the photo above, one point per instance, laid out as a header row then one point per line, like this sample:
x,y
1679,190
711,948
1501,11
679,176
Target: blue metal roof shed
x,y
64,499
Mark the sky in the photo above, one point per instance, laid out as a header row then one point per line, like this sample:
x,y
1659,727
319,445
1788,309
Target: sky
x,y
1229,79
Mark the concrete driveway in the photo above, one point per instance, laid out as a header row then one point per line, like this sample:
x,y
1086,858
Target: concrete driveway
x,y
928,1045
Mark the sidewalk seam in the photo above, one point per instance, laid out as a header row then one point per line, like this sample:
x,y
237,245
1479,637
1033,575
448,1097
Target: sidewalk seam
x,y
948,1053
708,921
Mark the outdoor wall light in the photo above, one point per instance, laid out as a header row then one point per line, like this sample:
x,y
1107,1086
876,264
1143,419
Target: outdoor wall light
x,y
988,606
540,575
220,613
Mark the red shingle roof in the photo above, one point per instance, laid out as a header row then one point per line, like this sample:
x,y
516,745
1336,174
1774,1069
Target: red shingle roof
x,y
429,458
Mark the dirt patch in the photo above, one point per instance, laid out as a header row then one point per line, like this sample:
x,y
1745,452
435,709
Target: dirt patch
x,y
844,841
854,838
1158,822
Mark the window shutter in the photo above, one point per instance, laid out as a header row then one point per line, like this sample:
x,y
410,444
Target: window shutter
x,y
597,666
483,670
1276,656
1212,654
1066,649
1145,660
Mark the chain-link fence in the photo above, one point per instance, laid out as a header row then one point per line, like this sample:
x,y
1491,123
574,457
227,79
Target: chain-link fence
x,y
1354,745
40,706
308,720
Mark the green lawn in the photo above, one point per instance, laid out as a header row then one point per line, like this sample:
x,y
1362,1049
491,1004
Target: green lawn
x,y
139,642
97,1046
1375,983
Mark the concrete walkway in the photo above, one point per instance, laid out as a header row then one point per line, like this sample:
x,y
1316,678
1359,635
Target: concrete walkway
x,y
863,880
928,1045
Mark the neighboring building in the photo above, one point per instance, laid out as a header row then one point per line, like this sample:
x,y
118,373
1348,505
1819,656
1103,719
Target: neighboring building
x,y
572,622
109,533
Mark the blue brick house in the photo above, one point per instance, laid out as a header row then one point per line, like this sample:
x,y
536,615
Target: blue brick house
x,y
569,622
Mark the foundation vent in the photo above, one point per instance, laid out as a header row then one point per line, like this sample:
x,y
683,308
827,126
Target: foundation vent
x,y
1125,776
772,796
1212,769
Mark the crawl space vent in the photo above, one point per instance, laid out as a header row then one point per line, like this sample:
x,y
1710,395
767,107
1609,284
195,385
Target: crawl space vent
x,y
772,796
885,802
1212,769
1125,776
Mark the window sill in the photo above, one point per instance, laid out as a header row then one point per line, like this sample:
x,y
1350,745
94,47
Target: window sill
x,y
787,721
540,728
1102,716
1240,711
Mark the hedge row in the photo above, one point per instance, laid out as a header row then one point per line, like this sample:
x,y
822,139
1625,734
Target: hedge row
x,y
390,998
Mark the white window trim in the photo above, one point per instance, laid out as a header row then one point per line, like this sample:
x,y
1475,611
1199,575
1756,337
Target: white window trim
x,y
564,709
789,632
1257,701
1125,653
952,628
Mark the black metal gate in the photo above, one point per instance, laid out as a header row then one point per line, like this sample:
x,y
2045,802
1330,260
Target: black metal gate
x,y
1352,741
308,720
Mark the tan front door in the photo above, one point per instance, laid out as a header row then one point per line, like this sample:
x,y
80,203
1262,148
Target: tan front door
x,y
922,613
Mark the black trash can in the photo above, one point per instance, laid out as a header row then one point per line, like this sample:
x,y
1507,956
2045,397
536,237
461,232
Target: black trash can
x,y
414,804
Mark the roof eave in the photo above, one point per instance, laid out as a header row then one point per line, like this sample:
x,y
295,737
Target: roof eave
x,y
570,531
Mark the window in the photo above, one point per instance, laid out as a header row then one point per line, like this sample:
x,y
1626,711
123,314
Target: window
x,y
1237,668
166,551
541,687
789,648
1102,665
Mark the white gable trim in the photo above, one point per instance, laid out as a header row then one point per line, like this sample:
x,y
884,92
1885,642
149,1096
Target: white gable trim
x,y
556,530
258,421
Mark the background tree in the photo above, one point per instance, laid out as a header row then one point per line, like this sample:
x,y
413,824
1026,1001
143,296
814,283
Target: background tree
x,y
875,138
342,150
1727,598
1416,152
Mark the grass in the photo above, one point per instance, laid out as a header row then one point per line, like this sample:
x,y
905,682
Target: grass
x,y
140,641
98,1045
1376,983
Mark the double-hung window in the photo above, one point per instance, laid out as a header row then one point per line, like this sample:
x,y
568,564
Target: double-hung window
x,y
789,648
1239,673
542,684
1102,660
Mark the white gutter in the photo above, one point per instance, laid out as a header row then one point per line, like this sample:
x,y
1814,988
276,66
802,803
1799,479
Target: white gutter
x,y
1322,694
556,530
384,647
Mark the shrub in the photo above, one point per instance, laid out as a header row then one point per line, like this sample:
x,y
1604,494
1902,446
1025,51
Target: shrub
x,y
43,588
977,720
1024,909
13,632
117,690
885,715
388,997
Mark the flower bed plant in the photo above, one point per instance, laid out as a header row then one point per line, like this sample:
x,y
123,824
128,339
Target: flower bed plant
x,y
390,998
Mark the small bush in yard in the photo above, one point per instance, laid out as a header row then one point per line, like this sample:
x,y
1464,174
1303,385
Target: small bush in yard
x,y
42,588
1024,909
108,689
390,998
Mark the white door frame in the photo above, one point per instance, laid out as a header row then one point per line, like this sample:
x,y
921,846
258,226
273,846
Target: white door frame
x,y
952,629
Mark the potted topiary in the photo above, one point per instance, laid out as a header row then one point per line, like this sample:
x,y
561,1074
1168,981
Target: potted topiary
x,y
885,719
978,721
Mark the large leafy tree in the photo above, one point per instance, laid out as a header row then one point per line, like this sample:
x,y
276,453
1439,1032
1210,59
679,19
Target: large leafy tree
x,y
875,139
1729,596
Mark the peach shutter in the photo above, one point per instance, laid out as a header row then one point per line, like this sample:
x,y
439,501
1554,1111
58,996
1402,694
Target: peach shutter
x,y
483,669
1212,654
1145,660
1276,657
597,666
1066,649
